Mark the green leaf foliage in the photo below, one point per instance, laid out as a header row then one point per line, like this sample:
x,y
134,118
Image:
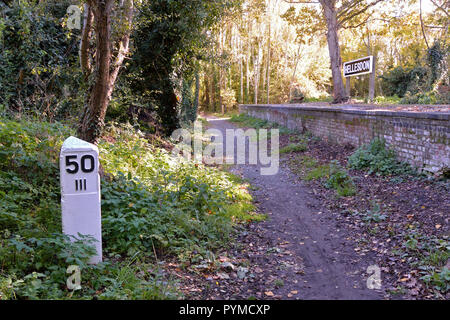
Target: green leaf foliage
x,y
153,205
376,158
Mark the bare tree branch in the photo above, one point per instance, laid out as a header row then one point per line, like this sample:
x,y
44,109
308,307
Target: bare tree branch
x,y
357,25
354,14
441,7
346,7
421,24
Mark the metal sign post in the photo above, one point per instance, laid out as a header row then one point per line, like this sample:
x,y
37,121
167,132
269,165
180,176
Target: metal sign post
x,y
80,191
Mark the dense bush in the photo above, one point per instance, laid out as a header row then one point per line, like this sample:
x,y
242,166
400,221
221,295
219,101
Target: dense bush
x,y
176,205
387,100
39,67
420,98
152,203
169,41
34,254
376,158
424,83
399,80
340,180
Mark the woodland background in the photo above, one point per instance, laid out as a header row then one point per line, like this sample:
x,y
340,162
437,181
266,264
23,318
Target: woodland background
x,y
182,56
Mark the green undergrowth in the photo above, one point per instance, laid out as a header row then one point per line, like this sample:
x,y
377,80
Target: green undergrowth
x,y
387,100
376,158
153,206
430,255
245,120
332,175
294,147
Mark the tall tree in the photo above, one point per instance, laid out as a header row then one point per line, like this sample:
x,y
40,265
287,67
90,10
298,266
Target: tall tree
x,y
348,14
107,56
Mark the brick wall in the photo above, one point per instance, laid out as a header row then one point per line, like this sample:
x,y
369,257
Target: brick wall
x,y
422,139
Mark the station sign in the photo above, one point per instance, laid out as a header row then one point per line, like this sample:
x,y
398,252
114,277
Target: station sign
x,y
358,67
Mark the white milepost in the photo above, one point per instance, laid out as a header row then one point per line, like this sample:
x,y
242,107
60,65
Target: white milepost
x,y
80,191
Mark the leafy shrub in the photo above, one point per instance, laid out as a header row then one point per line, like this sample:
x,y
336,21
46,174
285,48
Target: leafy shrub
x,y
378,159
435,60
374,215
424,83
399,80
33,253
318,172
332,175
136,219
440,280
420,98
39,264
387,100
40,73
173,30
340,180
294,147
151,203
29,184
197,190
429,255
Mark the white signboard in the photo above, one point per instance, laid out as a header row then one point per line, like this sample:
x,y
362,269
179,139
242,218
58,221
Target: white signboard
x,y
80,191
358,67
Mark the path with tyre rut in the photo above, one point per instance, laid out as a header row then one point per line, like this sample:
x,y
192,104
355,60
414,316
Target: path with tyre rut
x,y
313,257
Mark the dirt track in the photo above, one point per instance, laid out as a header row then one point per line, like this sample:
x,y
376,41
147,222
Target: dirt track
x,y
312,256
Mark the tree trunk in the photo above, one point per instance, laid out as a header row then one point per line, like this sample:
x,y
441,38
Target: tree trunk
x,y
84,42
220,73
257,71
372,77
207,91
220,89
262,70
196,96
421,24
347,86
241,70
213,87
247,75
92,120
329,10
106,66
297,59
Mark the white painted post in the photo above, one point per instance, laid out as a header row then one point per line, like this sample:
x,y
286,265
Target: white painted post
x,y
80,191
